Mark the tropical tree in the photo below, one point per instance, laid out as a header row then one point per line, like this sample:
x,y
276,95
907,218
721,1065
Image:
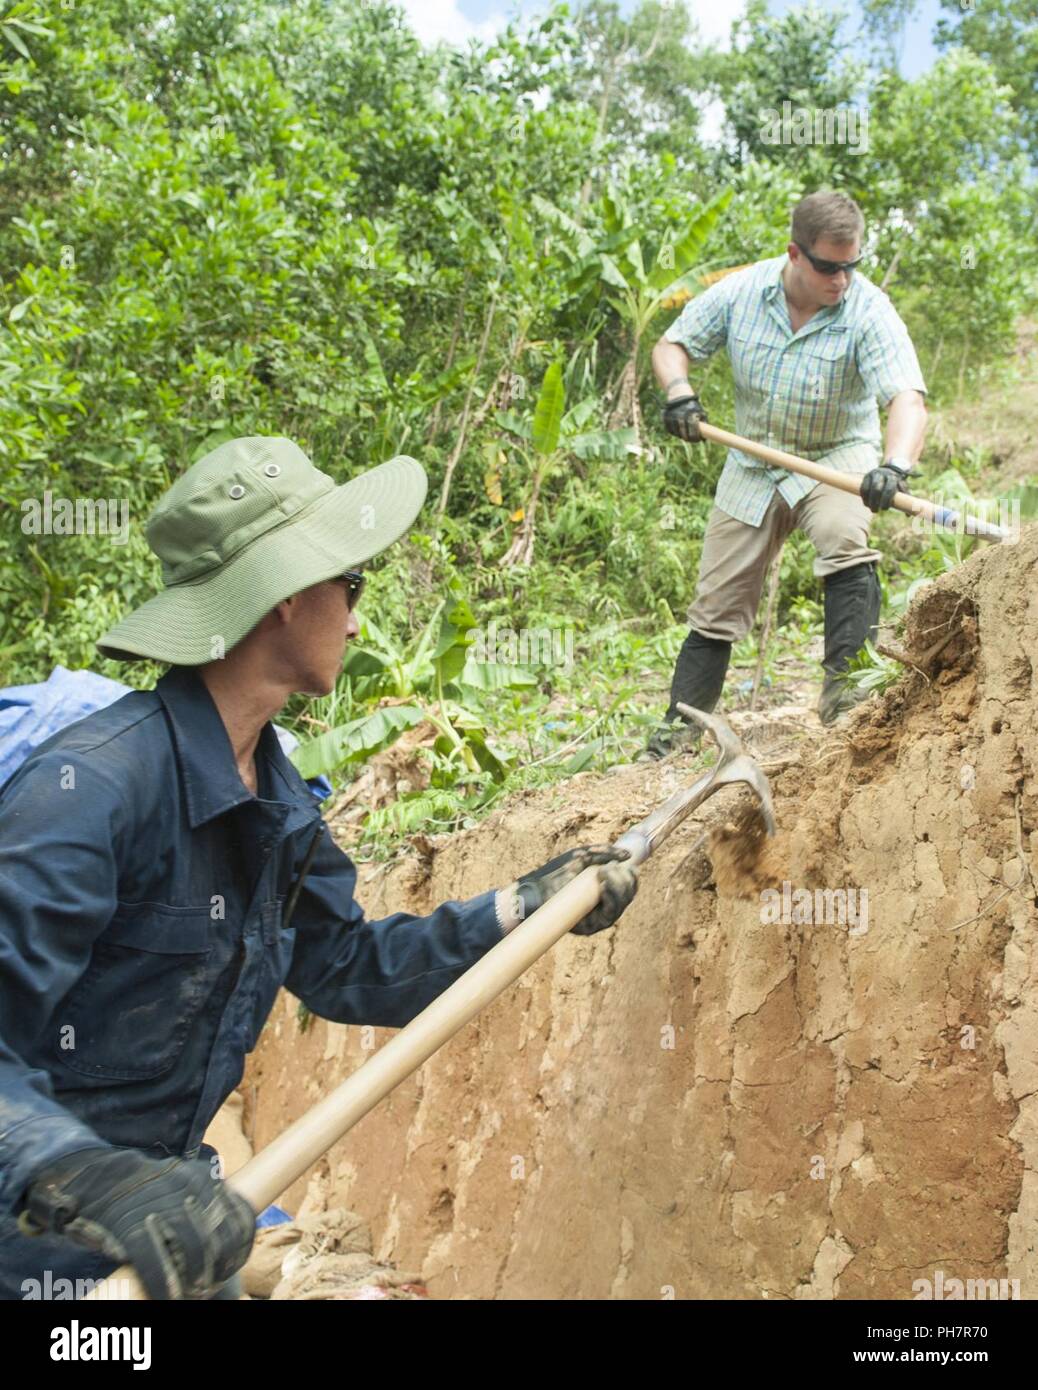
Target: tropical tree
x,y
1005,33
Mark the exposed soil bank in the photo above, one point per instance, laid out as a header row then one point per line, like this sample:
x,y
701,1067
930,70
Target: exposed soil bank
x,y
706,1102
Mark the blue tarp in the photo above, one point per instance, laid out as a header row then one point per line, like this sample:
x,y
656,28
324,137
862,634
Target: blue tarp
x,y
272,1216
29,714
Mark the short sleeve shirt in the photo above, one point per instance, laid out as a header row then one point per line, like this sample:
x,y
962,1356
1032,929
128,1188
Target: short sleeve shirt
x,y
813,392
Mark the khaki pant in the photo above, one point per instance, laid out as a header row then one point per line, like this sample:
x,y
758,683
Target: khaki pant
x,y
736,556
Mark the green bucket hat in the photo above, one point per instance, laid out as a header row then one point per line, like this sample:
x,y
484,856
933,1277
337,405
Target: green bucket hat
x,y
246,526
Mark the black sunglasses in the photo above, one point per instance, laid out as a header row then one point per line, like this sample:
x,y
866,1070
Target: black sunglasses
x,y
354,581
829,267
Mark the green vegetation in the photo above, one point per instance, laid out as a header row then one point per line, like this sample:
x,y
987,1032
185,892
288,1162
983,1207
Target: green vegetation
x,y
291,218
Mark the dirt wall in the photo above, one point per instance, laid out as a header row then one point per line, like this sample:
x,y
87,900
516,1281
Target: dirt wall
x,y
703,1104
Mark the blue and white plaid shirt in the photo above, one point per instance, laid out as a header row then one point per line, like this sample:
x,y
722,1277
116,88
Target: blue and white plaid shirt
x,y
811,393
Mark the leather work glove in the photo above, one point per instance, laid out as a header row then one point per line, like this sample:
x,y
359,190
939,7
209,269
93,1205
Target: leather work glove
x,y
184,1231
681,418
619,884
879,486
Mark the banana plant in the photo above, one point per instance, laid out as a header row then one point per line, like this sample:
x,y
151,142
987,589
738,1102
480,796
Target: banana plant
x,y
575,438
435,680
544,439
641,272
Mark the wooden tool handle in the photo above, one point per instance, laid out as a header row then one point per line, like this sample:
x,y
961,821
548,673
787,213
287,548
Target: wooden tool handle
x,y
287,1157
851,482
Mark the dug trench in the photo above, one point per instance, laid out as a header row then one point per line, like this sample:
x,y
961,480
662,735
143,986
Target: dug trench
x,y
705,1102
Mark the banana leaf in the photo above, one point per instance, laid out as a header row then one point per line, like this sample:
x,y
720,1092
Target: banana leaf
x,y
547,415
494,675
354,741
691,243
611,446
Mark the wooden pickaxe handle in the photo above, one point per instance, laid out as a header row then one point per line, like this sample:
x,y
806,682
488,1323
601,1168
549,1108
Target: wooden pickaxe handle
x,y
286,1158
263,1179
851,482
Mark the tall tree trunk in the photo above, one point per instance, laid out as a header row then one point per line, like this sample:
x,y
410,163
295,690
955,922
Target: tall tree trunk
x,y
603,112
608,86
895,262
627,410
459,318
962,363
936,358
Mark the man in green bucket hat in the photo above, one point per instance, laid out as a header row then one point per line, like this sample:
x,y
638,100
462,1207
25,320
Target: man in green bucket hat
x,y
164,870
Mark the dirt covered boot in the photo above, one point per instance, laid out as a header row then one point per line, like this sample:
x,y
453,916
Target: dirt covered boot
x,y
698,681
852,604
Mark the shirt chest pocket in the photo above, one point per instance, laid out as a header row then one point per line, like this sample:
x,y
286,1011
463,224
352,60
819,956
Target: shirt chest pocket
x,y
824,365
756,361
130,1014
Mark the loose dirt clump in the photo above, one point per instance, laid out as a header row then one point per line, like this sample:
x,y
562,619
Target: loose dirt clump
x,y
325,1257
745,858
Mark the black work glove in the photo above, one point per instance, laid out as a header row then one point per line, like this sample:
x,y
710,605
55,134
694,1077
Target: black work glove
x,y
619,884
184,1231
681,418
879,486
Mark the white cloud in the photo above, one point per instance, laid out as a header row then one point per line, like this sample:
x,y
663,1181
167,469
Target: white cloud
x,y
441,19
715,17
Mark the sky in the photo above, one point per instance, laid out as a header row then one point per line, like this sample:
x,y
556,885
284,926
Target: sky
x,y
458,20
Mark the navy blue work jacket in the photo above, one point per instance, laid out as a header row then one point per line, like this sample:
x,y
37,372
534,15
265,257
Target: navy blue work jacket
x,y
142,889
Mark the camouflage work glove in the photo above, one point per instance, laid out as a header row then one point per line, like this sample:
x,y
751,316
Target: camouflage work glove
x,y
531,891
184,1231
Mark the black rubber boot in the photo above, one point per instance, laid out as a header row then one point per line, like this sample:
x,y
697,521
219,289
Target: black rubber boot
x,y
852,604
698,681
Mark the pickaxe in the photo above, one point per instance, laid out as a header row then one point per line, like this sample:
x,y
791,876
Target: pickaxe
x,y
927,511
287,1158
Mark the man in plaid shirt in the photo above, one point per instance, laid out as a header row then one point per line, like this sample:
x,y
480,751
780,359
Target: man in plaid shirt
x,y
813,347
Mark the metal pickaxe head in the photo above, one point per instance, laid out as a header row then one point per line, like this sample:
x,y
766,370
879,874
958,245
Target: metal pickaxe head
x,y
733,765
725,737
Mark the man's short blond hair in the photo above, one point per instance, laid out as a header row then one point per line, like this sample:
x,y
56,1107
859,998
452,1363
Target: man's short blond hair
x,y
832,215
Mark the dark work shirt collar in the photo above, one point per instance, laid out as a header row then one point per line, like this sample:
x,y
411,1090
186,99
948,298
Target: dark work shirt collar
x,y
212,784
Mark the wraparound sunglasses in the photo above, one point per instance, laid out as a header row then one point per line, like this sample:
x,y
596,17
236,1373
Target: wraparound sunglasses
x,y
829,267
354,581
